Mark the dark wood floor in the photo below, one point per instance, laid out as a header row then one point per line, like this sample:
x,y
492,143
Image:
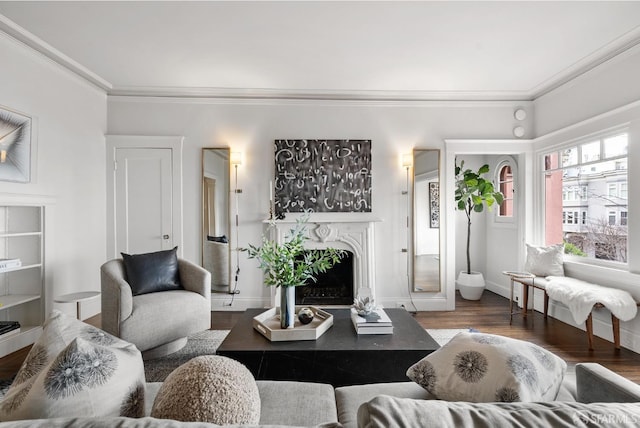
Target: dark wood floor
x,y
488,315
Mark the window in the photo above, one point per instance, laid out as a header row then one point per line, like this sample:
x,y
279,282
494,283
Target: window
x,y
505,173
585,196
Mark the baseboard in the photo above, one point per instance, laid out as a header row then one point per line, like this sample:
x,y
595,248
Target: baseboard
x,y
415,304
230,302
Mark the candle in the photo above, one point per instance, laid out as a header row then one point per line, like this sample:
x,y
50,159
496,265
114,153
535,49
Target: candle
x,y
270,191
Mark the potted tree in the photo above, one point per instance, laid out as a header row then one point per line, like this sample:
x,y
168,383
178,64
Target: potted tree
x,y
473,192
287,265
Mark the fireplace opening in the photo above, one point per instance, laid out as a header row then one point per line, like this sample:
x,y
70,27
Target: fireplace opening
x,y
334,287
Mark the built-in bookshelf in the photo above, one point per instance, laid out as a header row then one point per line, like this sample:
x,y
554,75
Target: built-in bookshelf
x,y
22,288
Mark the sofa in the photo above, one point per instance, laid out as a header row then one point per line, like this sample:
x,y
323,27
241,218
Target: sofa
x,y
590,396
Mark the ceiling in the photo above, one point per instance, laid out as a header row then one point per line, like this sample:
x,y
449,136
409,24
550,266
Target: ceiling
x,y
335,49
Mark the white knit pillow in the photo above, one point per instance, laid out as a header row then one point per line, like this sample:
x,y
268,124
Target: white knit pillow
x,y
210,388
478,367
545,261
76,370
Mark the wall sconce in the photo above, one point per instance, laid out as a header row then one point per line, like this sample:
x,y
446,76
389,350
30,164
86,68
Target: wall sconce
x,y
407,160
236,159
407,163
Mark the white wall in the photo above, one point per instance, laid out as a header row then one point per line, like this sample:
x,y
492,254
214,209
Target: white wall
x,y
252,126
70,122
607,97
604,88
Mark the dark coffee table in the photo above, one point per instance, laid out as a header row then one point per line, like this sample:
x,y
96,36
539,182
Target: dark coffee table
x,y
339,357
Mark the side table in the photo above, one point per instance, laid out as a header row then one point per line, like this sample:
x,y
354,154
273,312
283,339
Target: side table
x,y
77,298
513,275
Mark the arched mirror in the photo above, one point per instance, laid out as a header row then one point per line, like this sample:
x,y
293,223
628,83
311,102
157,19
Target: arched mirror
x,y
426,221
215,217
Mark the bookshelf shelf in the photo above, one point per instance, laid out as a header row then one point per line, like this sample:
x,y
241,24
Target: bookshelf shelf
x,y
22,287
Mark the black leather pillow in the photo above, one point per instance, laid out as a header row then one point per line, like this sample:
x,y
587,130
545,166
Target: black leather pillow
x,y
152,272
222,239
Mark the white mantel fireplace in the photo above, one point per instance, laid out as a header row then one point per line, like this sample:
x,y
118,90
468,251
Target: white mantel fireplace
x,y
352,232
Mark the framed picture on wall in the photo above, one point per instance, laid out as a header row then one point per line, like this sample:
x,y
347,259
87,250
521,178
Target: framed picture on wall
x,y
15,146
434,204
322,176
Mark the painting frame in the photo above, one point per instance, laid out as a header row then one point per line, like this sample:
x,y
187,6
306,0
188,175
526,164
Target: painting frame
x,y
434,204
16,136
322,175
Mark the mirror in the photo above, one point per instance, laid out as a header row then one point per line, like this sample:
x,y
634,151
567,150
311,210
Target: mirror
x,y
426,221
216,226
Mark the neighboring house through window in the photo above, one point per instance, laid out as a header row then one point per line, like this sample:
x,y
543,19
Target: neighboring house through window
x,y
585,196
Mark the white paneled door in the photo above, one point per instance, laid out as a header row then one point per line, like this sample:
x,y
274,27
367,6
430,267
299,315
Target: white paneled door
x,y
143,200
144,184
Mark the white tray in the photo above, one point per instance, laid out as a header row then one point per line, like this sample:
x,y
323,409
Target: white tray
x,y
268,324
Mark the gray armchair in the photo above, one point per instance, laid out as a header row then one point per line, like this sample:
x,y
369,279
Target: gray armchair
x,y
157,323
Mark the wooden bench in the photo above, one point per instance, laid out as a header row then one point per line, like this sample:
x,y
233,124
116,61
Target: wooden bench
x,y
541,284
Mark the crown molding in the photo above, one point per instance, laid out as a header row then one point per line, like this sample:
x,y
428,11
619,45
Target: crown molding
x,y
18,33
317,94
619,46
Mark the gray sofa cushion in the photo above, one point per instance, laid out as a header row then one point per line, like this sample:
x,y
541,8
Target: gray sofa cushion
x,y
385,411
596,383
282,402
146,422
296,403
350,398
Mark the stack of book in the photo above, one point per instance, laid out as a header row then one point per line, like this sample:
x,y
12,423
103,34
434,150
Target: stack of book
x,y
376,322
8,328
8,264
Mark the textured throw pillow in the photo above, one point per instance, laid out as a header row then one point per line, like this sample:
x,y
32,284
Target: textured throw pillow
x,y
212,389
545,261
76,370
152,272
478,367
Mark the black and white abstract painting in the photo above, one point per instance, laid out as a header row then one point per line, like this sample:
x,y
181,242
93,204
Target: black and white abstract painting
x,y
434,204
322,176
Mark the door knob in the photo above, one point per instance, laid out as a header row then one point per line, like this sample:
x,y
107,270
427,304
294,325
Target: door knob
x,y
165,236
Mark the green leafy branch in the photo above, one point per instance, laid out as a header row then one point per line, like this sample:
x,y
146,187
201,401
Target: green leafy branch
x,y
472,193
289,264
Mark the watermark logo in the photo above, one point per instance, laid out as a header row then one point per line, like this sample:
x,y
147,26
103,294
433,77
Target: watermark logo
x,y
582,418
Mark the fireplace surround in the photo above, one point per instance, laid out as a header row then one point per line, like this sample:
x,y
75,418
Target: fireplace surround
x,y
353,232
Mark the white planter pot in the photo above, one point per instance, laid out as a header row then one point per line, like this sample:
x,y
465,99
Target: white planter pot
x,y
470,285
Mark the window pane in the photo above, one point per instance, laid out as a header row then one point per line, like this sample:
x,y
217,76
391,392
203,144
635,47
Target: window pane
x,y
615,146
569,156
587,205
506,188
590,151
551,161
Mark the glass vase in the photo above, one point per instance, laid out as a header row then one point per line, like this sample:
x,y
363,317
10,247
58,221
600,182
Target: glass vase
x,y
287,307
